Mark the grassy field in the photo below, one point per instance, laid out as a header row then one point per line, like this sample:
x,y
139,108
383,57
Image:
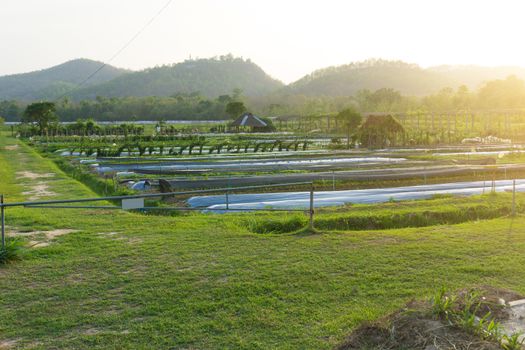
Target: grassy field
x,y
125,280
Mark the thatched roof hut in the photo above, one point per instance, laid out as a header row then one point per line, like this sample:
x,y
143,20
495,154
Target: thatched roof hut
x,y
380,131
248,120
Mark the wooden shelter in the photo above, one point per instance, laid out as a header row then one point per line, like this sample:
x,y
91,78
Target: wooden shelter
x,y
380,131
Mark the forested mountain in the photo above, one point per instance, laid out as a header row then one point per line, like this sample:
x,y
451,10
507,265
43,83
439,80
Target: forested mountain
x,y
346,80
53,82
202,88
214,77
208,77
409,79
474,76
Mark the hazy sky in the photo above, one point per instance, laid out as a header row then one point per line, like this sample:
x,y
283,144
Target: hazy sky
x,y
287,38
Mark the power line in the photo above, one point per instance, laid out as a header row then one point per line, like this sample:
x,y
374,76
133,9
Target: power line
x,y
119,51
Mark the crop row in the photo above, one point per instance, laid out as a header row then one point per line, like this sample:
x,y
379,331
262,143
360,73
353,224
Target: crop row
x,y
166,148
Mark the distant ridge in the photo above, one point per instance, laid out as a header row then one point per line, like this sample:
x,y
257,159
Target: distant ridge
x,y
217,76
473,76
52,82
209,77
409,79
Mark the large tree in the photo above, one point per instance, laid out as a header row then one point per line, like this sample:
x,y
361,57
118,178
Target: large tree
x,y
235,109
40,113
351,119
507,93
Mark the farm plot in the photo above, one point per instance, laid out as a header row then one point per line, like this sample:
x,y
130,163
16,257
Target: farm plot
x,y
112,282
250,165
283,200
151,160
362,177
115,146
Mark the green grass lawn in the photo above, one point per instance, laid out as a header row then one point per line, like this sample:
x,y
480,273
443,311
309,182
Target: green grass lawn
x,y
126,280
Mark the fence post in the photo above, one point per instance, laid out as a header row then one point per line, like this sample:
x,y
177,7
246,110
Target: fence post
x,y
2,210
227,201
513,197
311,223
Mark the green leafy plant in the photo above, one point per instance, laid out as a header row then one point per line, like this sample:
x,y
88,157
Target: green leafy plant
x,y
512,342
443,304
492,330
12,251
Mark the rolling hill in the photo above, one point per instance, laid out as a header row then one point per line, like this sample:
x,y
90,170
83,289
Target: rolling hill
x,y
473,76
219,76
346,80
409,79
210,77
52,82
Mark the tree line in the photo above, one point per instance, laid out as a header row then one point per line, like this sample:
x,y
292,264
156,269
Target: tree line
x,y
506,93
181,106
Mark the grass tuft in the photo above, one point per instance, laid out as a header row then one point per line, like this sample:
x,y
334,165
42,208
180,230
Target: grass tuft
x,y
268,224
12,251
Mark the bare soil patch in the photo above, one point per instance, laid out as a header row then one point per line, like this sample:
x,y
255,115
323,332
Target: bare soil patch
x,y
38,190
91,331
413,328
33,176
8,344
40,238
55,233
11,148
119,237
108,233
38,244
416,327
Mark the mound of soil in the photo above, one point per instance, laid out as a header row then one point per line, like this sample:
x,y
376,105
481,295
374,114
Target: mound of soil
x,y
417,327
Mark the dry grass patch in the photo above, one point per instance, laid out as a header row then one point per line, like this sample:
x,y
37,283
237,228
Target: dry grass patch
x,y
38,191
33,176
39,238
8,344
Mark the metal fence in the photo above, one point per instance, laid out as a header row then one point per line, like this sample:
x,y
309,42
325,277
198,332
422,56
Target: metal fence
x,y
136,202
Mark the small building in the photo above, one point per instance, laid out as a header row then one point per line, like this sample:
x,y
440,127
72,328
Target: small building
x,y
249,121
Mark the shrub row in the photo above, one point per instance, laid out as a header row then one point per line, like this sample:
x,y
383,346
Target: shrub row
x,y
383,219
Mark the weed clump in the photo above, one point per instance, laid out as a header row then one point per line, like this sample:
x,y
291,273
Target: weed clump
x,y
12,251
468,311
469,319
